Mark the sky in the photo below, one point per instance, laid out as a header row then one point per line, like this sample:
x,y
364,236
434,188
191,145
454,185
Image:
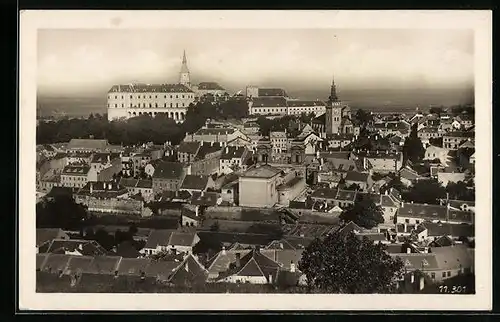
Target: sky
x,y
90,61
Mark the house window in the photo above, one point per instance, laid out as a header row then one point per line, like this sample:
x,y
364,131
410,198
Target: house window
x,y
417,222
407,221
449,273
433,276
444,274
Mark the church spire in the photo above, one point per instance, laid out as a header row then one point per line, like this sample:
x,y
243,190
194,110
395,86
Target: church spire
x,y
184,74
333,91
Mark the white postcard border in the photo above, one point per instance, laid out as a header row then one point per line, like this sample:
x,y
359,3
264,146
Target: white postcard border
x,y
31,21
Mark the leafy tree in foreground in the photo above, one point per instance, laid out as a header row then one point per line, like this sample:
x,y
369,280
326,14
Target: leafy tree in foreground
x,y
347,264
364,213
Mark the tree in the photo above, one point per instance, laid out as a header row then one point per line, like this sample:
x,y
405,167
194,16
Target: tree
x,y
104,239
436,141
413,149
338,264
364,213
61,212
460,191
363,117
132,229
425,191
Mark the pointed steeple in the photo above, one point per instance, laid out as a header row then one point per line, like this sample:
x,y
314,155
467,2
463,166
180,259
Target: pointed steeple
x,y
184,77
333,91
184,67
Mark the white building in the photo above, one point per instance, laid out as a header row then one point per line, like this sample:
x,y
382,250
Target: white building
x,y
125,101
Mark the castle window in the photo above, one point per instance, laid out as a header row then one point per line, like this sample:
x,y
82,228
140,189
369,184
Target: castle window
x,y
122,105
176,96
116,105
116,97
130,96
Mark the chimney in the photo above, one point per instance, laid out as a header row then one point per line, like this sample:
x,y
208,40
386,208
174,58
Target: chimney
x,y
292,267
109,158
426,250
227,149
238,260
91,187
281,245
80,246
412,278
110,186
223,252
408,250
405,227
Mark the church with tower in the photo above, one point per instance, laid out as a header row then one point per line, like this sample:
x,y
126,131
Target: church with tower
x,y
135,99
337,115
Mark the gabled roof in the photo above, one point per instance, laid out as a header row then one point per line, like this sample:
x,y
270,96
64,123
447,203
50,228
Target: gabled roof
x,y
168,170
189,147
349,228
76,170
195,182
452,257
299,103
254,263
84,247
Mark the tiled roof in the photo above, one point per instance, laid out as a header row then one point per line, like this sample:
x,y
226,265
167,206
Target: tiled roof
x,y
133,266
409,174
433,212
195,182
232,152
418,261
269,102
207,149
87,144
455,230
262,171
452,257
165,237
127,250
189,147
103,157
254,263
459,134
47,234
168,170
357,176
150,88
299,103
85,247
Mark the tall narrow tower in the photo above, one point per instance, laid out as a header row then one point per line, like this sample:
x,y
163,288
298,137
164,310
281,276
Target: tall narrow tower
x,y
333,115
184,78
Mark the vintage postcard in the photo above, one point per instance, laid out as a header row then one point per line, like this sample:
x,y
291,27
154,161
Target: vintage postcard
x,y
255,160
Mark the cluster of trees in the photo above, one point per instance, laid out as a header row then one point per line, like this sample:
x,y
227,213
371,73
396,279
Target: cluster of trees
x,y
349,265
63,212
430,191
140,129
365,213
455,110
110,241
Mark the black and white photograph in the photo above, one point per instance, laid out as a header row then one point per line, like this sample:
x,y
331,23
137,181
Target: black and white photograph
x,y
255,157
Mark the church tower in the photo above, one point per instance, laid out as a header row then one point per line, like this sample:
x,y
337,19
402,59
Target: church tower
x,y
184,74
333,116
